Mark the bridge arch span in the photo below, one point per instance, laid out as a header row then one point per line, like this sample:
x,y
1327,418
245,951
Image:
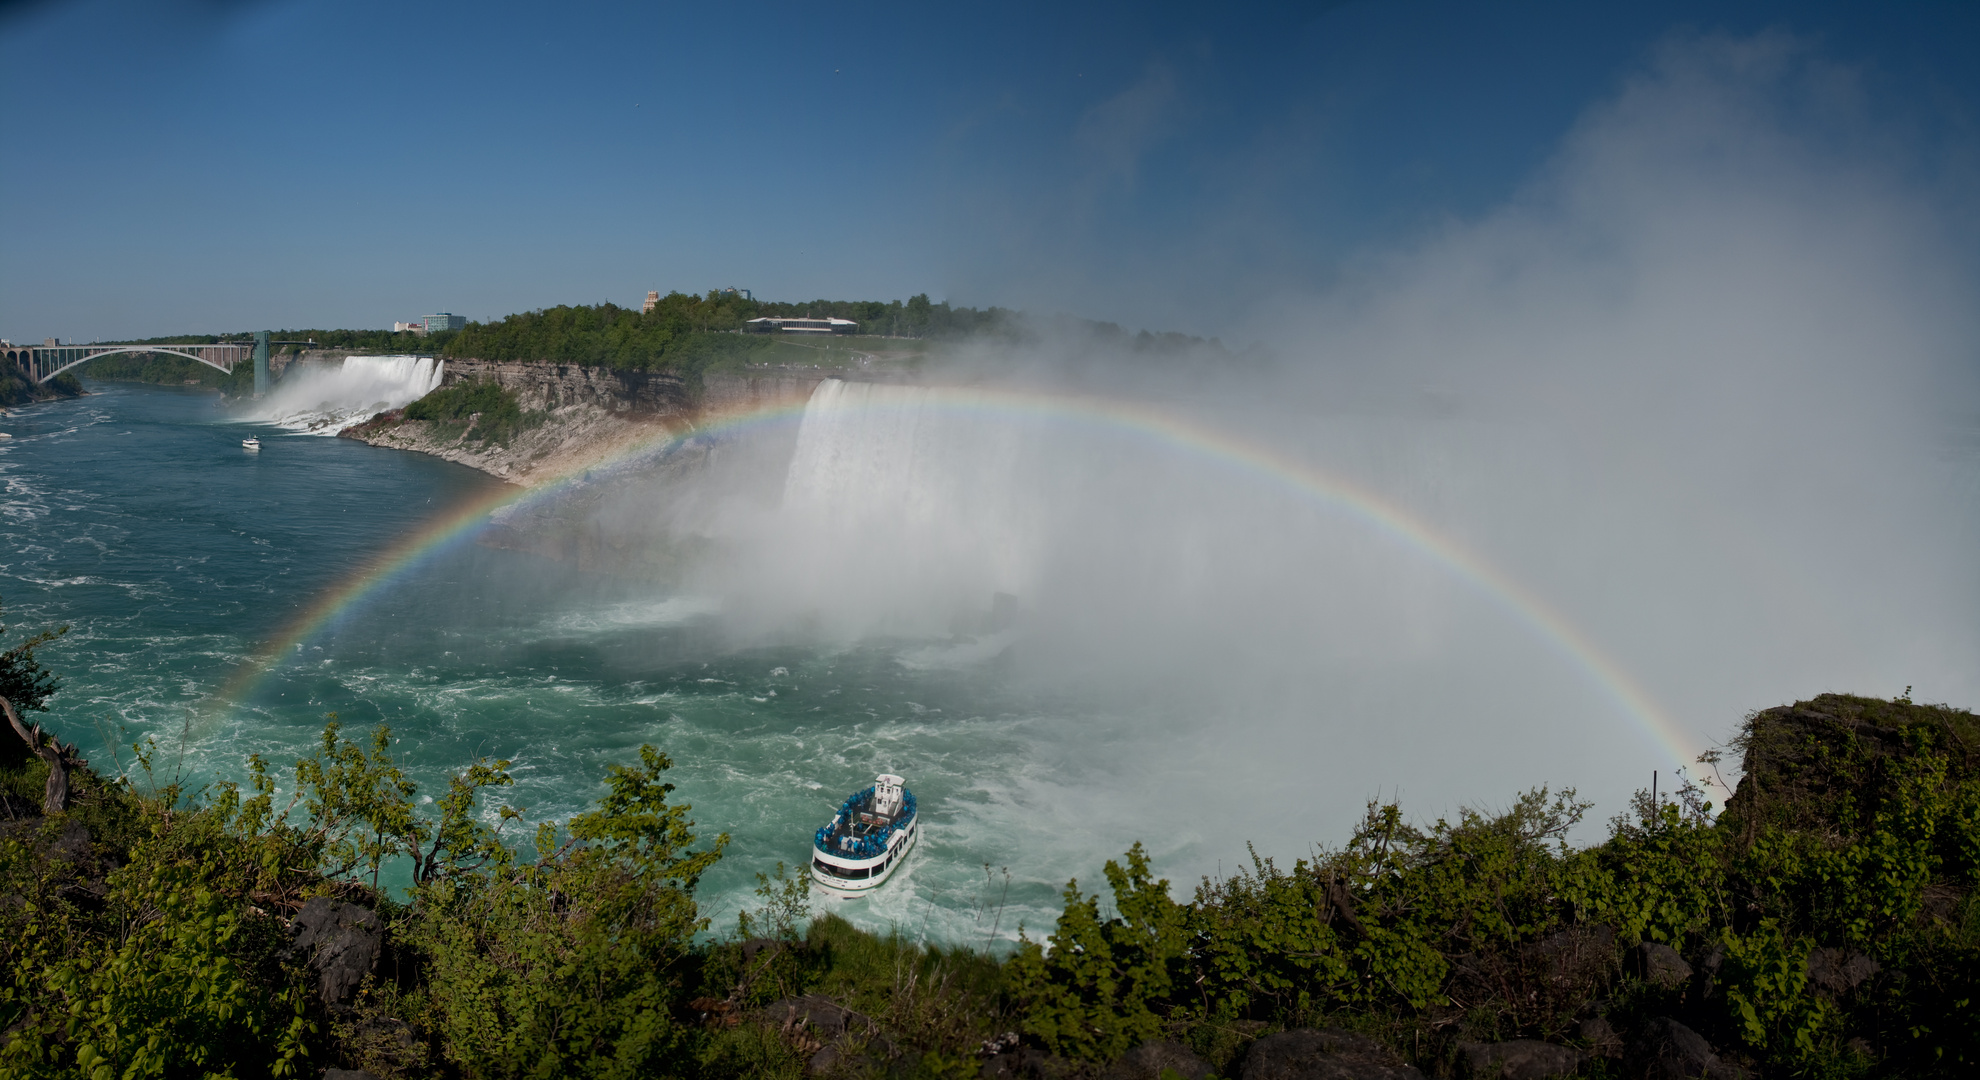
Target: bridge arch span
x,y
164,350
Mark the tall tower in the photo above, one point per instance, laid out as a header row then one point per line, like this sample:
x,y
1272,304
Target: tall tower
x,y
652,301
260,363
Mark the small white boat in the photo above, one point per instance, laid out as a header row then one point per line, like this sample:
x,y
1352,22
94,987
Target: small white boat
x,y
251,443
4,435
867,840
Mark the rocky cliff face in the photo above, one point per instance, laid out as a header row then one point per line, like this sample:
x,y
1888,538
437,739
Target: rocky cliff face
x,y
580,416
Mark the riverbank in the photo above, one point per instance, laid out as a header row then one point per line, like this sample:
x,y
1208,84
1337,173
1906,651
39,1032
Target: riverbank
x,y
578,417
17,389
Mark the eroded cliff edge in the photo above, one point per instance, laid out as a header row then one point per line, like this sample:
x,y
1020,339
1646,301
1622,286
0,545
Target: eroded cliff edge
x,y
580,417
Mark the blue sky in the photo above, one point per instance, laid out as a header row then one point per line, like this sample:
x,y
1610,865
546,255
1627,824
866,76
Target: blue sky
x,y
206,167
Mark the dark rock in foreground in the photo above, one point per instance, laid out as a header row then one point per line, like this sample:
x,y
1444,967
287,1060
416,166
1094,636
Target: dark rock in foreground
x,y
342,943
1324,1054
1659,964
1521,1059
1147,1061
1663,1049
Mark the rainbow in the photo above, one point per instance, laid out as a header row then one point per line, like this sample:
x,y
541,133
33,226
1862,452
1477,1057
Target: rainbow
x,y
1134,419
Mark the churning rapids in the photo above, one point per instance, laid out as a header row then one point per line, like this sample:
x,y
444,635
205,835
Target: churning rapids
x,y
134,516
1067,636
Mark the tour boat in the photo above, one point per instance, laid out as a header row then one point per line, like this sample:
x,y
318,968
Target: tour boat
x,y
251,443
867,839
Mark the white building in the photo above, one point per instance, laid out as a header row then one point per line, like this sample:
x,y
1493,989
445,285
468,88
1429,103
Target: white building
x,y
801,326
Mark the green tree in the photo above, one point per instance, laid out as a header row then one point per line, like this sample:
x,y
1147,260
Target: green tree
x,y
1101,987
570,965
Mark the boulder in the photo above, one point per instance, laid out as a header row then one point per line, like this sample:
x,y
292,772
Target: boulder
x,y
827,1018
1659,964
1709,966
342,943
1147,1062
1521,1059
1663,1049
1838,971
1025,1063
1323,1054
832,1035
1601,1037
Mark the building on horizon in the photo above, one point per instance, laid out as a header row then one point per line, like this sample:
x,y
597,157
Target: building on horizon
x,y
733,291
652,301
801,326
445,321
409,327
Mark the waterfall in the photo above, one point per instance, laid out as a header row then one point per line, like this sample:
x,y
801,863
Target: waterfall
x,y
901,512
323,400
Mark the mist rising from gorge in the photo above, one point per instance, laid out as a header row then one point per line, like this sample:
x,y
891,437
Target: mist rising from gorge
x,y
1705,386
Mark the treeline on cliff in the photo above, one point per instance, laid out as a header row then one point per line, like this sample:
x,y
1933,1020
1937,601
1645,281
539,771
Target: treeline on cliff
x,y
685,334
1824,924
691,333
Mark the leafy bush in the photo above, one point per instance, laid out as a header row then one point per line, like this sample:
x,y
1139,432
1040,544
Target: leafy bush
x,y
1856,832
478,409
175,961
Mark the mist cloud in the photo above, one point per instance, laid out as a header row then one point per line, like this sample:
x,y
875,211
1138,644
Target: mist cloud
x,y
1700,386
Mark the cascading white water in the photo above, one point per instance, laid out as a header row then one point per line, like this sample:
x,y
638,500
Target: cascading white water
x,y
925,513
323,400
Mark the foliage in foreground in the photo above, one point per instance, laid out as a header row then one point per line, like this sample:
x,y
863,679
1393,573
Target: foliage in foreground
x,y
1856,831
150,934
149,938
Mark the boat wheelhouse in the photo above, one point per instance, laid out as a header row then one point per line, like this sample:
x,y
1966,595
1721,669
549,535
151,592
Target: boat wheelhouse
x,y
867,840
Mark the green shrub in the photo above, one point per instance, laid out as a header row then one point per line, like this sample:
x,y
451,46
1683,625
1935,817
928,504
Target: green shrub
x,y
479,409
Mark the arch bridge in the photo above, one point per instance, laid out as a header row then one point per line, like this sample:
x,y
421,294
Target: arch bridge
x,y
51,358
44,362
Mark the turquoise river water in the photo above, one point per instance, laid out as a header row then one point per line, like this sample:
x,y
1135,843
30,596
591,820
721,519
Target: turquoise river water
x,y
134,516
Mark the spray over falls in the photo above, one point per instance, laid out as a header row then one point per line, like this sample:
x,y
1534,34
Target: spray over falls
x,y
320,399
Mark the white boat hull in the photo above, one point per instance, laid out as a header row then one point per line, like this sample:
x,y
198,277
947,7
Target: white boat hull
x,y
839,876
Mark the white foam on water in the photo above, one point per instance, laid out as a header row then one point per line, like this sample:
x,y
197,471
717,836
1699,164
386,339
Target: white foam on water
x,y
316,399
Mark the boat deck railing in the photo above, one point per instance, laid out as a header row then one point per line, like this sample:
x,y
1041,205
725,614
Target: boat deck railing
x,y
867,832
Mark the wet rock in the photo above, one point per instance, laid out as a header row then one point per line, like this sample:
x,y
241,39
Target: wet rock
x,y
1521,1059
1659,964
1323,1054
1663,1049
342,943
1838,971
1601,1037
1147,1062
